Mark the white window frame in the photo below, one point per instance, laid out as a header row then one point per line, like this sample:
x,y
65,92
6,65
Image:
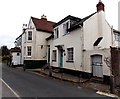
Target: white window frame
x,y
29,36
29,51
66,27
70,54
56,32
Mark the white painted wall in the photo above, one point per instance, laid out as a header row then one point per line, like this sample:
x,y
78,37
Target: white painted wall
x,y
38,40
87,60
83,39
72,39
15,58
22,49
95,27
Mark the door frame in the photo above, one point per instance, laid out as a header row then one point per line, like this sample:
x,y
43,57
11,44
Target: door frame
x,y
92,65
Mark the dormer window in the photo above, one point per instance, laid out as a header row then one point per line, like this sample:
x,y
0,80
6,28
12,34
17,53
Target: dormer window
x,y
66,26
56,32
29,35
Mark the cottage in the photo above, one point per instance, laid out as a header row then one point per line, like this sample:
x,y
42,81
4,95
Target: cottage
x,y
83,44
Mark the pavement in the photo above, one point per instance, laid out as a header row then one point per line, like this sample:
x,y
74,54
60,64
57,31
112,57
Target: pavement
x,y
7,91
82,82
28,84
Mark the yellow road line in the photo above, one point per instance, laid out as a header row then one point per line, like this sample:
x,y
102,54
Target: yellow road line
x,y
107,94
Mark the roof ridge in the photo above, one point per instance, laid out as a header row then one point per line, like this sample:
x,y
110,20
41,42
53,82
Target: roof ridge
x,y
41,19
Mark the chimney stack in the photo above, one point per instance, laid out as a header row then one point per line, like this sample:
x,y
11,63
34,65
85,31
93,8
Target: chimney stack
x,y
43,17
100,6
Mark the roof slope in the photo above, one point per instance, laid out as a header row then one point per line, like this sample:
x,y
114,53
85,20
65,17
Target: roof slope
x,y
66,18
43,25
15,49
77,25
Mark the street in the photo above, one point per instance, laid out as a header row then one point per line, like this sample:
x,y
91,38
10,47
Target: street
x,y
26,84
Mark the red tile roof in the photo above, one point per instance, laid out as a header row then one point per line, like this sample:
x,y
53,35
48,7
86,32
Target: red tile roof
x,y
15,49
43,24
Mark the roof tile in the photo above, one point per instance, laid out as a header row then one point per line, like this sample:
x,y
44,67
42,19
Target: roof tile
x,y
43,25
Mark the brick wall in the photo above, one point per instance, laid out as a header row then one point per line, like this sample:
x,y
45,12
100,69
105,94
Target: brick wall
x,y
115,64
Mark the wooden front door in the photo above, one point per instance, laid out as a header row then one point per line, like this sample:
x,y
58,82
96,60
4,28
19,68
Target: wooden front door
x,y
61,58
97,66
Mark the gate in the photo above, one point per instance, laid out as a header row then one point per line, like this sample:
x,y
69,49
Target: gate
x,y
97,67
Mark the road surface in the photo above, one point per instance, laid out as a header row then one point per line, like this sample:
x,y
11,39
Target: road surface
x,y
26,84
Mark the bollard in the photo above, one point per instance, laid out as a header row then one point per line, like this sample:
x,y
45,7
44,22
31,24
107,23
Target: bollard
x,y
24,67
50,71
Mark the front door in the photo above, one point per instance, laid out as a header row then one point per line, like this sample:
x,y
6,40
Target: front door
x,y
61,58
97,66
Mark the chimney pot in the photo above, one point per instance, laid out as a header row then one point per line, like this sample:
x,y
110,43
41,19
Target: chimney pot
x,y
43,17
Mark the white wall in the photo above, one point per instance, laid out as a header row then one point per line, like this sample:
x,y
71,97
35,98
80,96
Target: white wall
x,y
70,40
87,60
41,45
83,39
95,27
15,58
38,40
22,49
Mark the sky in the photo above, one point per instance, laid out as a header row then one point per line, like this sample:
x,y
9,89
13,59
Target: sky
x,y
15,13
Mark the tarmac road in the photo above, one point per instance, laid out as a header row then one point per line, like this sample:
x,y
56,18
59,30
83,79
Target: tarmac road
x,y
26,84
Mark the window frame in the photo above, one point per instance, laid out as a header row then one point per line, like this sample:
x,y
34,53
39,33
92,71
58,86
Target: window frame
x,y
66,26
29,36
70,54
54,55
56,33
29,51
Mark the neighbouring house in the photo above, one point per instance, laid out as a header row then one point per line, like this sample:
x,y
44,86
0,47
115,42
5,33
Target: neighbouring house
x,y
16,53
83,44
33,42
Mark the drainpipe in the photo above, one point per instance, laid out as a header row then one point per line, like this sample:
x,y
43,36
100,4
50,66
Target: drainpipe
x,y
82,37
112,42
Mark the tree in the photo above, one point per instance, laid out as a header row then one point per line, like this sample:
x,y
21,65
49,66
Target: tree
x,y
4,51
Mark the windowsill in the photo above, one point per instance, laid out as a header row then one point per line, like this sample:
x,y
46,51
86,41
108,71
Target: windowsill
x,y
29,40
70,61
29,56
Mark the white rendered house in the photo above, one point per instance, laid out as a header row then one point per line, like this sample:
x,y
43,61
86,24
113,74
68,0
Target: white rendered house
x,y
83,44
33,42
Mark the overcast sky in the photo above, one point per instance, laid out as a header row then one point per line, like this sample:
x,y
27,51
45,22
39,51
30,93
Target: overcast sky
x,y
15,13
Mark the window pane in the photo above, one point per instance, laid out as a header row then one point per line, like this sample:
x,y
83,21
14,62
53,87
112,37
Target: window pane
x,y
56,33
54,55
29,35
17,54
29,50
70,54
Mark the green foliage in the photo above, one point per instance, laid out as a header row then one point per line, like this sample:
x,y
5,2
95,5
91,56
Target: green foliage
x,y
4,51
4,54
